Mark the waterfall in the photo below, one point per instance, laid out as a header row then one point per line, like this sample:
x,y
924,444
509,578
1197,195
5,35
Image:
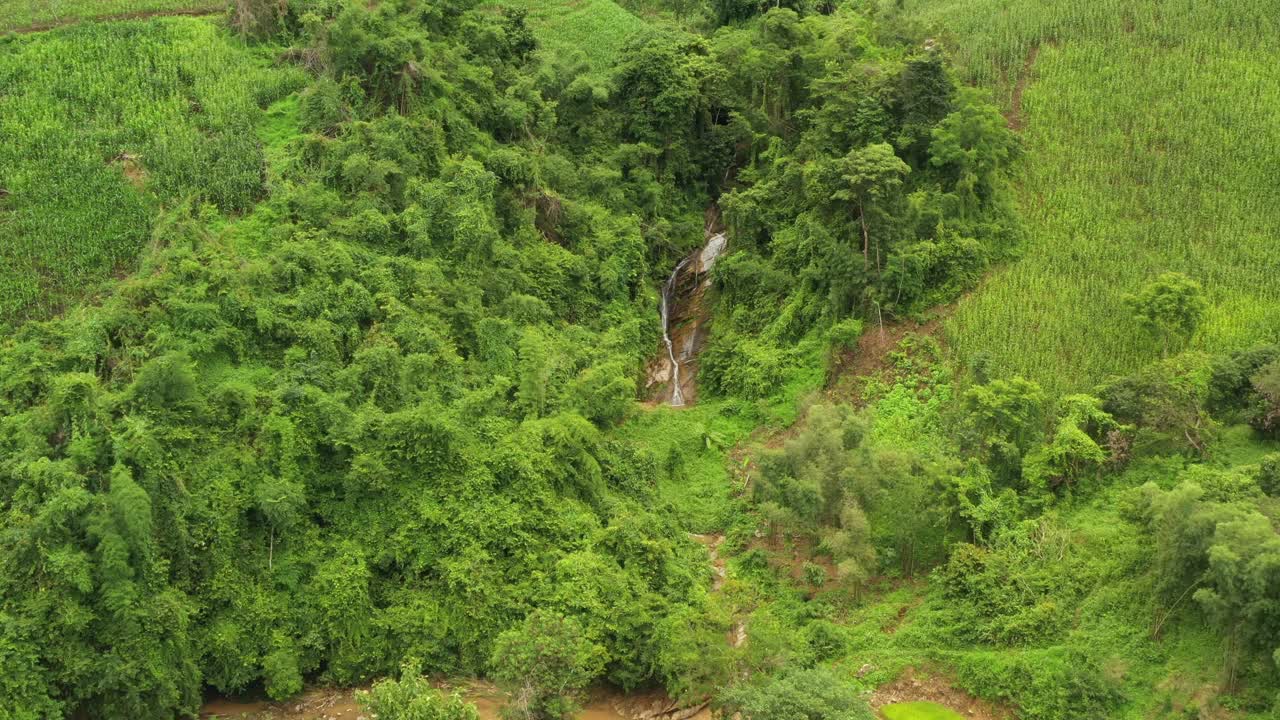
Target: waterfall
x,y
668,292
702,260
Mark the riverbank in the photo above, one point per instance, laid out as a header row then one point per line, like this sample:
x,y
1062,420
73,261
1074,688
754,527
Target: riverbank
x,y
340,704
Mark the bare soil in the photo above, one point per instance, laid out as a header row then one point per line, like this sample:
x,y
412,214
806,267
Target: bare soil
x,y
871,357
915,686
1015,117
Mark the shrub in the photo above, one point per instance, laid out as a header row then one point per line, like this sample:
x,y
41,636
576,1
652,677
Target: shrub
x,y
412,697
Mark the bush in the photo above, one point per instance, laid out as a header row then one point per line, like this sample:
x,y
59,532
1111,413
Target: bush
x,y
413,698
1054,684
816,694
543,664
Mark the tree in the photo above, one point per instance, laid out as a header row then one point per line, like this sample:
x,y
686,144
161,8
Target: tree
x,y
1002,420
1269,475
693,657
871,175
816,694
412,697
257,18
1266,412
1170,307
543,664
1077,446
1243,582
972,144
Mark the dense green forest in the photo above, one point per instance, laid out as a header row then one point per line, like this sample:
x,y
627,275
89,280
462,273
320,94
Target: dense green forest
x,y
333,336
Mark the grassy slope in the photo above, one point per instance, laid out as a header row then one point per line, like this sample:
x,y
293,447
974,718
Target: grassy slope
x,y
1149,130
104,124
23,14
918,711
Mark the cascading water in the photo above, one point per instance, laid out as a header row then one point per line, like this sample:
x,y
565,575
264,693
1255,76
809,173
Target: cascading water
x,y
668,290
702,260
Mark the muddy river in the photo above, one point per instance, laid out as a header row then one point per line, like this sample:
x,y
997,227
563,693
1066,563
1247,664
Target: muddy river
x,y
340,704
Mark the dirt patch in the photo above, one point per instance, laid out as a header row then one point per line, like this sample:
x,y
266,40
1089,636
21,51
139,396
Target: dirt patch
x,y
898,619
131,166
314,704
916,686
1015,117
137,15
712,541
872,357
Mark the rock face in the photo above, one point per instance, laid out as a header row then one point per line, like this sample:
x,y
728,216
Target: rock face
x,y
672,375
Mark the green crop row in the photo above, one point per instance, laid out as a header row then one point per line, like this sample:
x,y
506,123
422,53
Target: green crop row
x,y
36,14
102,125
596,28
1149,128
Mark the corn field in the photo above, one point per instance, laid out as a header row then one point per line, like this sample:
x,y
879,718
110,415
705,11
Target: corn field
x,y
102,124
596,28
1151,132
29,14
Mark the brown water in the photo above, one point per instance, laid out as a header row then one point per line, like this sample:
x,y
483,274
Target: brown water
x,y
340,704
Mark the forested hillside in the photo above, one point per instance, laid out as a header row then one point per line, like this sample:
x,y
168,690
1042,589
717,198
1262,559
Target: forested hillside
x,y
335,335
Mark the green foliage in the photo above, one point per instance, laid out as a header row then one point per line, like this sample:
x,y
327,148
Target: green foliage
x,y
695,659
1003,419
1020,589
1213,546
1054,684
596,30
1170,404
812,694
412,697
385,408
24,16
543,664
1269,475
1171,307
918,711
1078,445
368,419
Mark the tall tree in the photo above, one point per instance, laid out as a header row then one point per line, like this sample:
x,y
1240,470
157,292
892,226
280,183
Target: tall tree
x,y
1170,307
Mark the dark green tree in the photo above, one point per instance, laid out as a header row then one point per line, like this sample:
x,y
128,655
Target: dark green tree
x,y
543,664
1170,307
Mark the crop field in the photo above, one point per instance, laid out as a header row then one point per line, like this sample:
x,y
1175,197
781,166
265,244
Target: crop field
x,y
104,124
597,28
1150,135
34,14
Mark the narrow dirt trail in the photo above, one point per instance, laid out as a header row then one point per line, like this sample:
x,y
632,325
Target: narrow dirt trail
x,y
1016,118
712,542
